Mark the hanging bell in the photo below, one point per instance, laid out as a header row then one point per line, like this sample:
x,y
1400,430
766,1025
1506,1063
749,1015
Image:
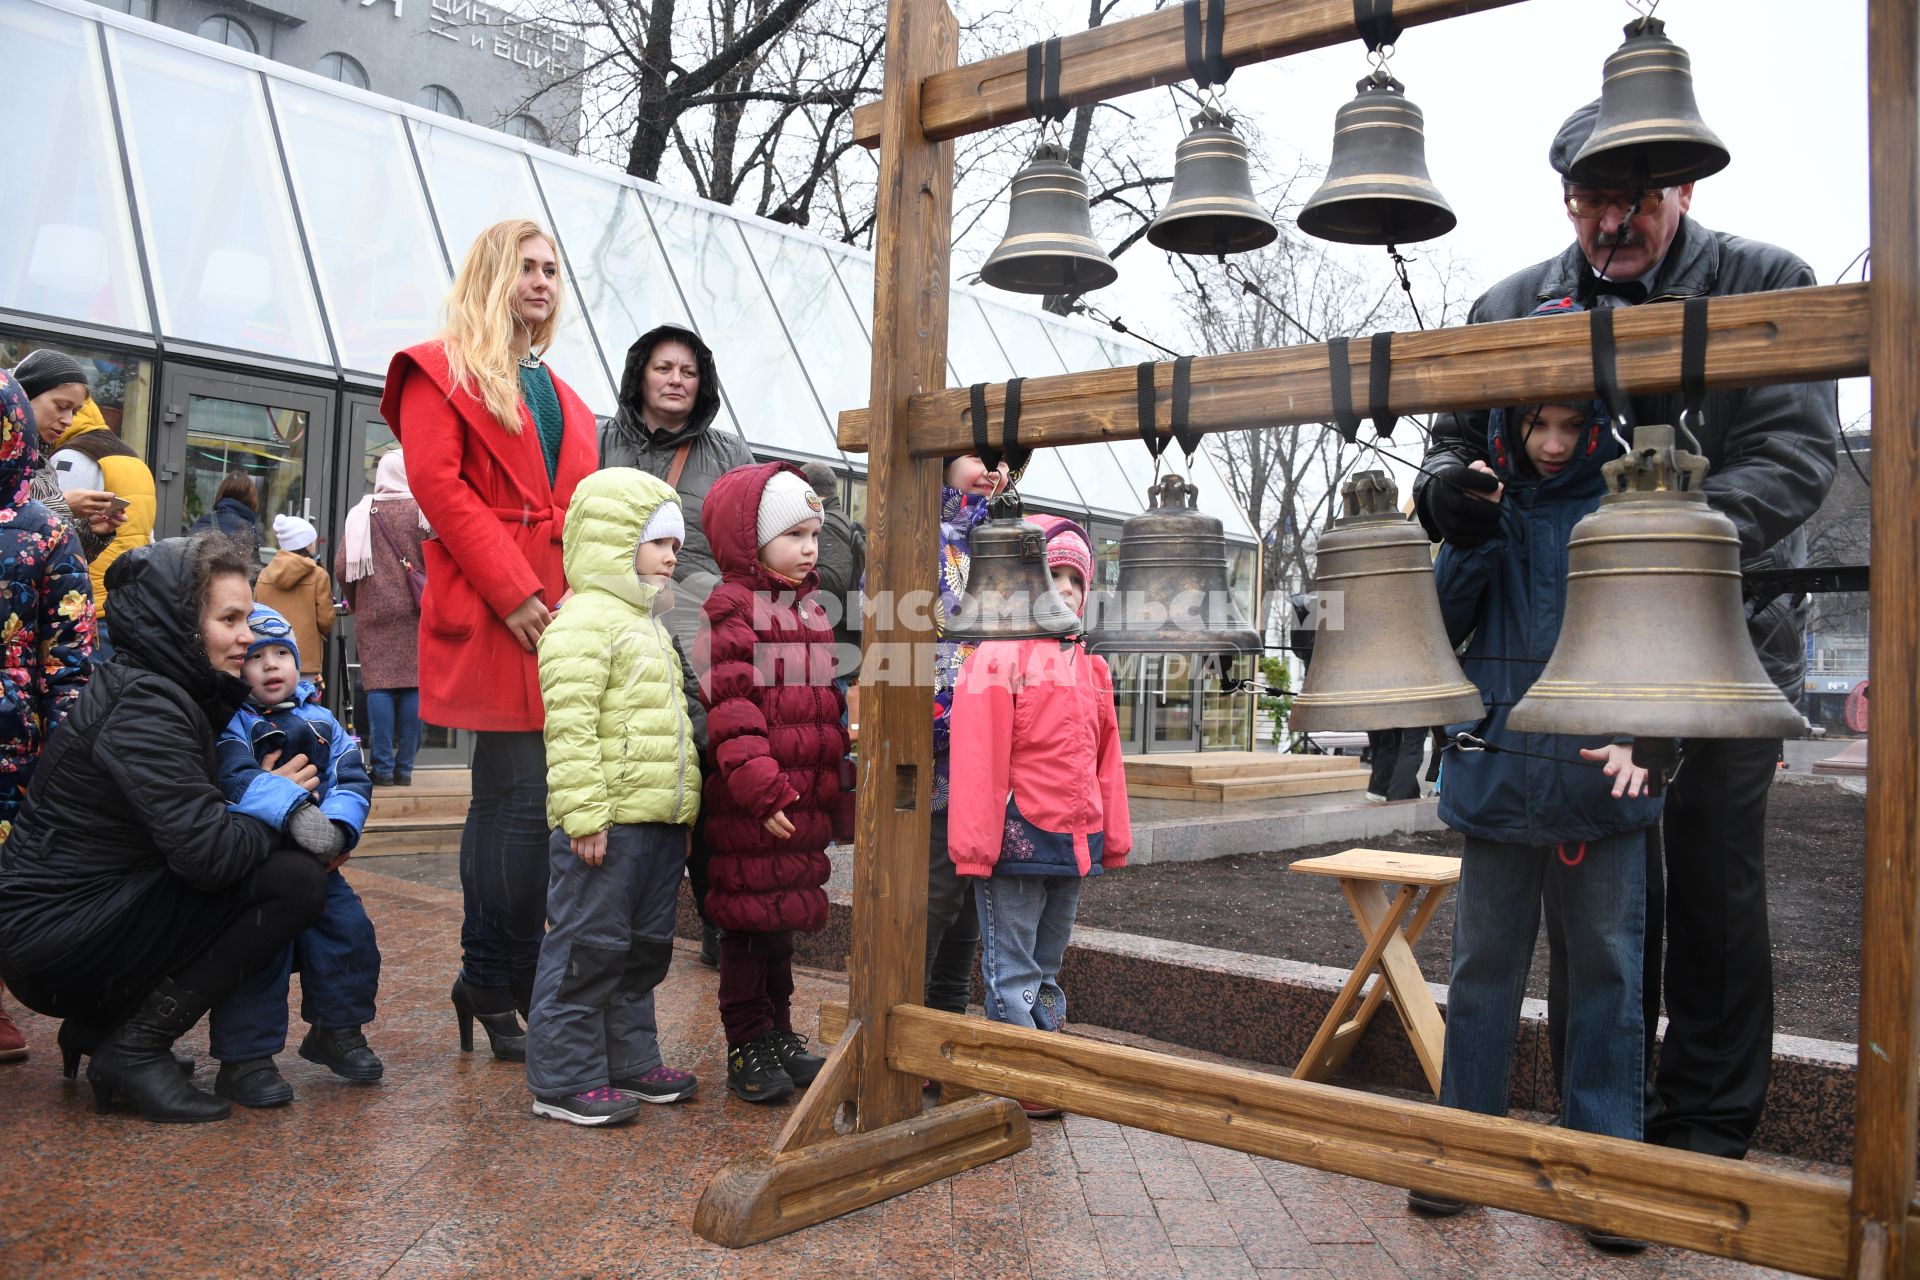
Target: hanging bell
x,y
1009,593
1653,641
1377,190
1212,209
1649,133
1173,595
1049,245
1380,654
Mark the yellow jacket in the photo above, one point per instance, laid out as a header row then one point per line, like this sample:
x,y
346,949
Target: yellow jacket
x,y
126,476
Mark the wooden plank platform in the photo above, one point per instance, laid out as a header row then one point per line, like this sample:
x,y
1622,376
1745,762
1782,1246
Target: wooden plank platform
x,y
1220,776
426,817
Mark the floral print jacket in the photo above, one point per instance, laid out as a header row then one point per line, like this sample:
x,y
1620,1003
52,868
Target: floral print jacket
x,y
46,616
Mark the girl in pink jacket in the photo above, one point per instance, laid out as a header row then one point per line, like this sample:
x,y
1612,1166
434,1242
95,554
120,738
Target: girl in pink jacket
x,y
1038,796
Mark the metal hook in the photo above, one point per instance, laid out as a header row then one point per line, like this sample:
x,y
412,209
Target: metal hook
x,y
1689,419
1380,56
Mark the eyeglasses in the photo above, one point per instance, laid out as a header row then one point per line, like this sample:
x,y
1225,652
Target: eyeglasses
x,y
1593,204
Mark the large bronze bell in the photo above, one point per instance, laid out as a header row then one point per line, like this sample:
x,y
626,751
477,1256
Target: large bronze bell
x,y
1009,593
1212,209
1049,245
1377,190
1653,642
1173,595
1380,654
1649,133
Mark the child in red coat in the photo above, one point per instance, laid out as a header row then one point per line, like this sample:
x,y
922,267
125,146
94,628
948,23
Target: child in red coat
x,y
773,797
1038,798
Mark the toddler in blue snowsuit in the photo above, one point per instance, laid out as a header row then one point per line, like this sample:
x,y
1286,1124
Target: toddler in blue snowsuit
x,y
338,959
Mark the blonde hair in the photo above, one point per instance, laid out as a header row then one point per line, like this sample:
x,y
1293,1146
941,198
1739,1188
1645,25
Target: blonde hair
x,y
481,318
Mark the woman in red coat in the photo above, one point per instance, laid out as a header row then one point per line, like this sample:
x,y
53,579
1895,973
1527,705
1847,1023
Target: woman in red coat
x,y
495,444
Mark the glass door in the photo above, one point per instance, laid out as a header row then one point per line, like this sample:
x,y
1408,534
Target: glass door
x,y
365,439
1170,688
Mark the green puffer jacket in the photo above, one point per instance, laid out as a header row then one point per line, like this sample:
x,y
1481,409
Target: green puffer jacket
x,y
619,742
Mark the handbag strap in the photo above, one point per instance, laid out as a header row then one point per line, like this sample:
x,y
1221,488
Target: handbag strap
x,y
678,465
393,546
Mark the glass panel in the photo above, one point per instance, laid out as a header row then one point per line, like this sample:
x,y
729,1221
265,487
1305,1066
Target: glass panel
x,y
66,243
380,268
475,184
758,368
833,345
1127,699
1080,350
227,263
122,385
266,443
617,263
1226,722
1170,698
972,349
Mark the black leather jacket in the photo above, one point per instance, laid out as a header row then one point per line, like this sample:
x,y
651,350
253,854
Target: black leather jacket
x,y
1773,449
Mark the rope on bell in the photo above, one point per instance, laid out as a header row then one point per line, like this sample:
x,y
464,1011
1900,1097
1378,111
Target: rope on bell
x,y
1010,450
1043,83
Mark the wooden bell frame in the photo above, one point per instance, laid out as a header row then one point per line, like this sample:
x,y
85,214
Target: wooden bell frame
x,y
860,1135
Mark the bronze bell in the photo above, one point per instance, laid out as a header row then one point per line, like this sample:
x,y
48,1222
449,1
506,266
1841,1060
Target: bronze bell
x,y
1049,245
1212,209
1653,641
1009,593
1377,190
1649,133
1380,654
1173,595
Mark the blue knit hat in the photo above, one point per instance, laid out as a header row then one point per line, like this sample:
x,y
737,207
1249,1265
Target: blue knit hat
x,y
270,627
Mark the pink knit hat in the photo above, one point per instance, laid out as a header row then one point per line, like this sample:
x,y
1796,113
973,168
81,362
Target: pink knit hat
x,y
1068,545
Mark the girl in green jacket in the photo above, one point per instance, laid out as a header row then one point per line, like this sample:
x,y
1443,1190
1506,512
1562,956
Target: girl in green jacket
x,y
623,789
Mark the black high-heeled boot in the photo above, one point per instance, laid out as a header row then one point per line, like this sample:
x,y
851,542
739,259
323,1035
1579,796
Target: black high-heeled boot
x,y
522,996
76,1041
136,1060
493,1006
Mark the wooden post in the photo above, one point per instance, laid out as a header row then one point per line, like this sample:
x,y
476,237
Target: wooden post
x,y
1885,1112
912,242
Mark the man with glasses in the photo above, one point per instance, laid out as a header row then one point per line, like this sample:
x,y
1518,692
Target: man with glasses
x,y
1772,451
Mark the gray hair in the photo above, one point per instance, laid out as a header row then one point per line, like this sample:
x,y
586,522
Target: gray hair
x,y
825,483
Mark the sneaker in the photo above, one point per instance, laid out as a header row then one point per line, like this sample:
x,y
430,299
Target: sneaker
x,y
343,1051
662,1084
754,1072
1609,1242
604,1105
1374,797
13,1045
1433,1205
801,1066
1039,1111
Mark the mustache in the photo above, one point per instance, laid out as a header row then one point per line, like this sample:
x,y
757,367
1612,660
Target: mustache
x,y
1622,237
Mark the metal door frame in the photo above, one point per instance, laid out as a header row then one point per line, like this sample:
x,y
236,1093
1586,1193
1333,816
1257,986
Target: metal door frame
x,y
179,382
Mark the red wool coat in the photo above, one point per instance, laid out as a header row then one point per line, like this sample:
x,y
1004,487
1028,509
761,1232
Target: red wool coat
x,y
497,523
765,660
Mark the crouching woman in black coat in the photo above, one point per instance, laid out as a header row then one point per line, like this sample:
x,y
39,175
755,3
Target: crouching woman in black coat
x,y
131,897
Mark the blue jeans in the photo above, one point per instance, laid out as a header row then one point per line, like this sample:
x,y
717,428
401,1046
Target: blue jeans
x,y
393,730
503,863
1025,922
1599,903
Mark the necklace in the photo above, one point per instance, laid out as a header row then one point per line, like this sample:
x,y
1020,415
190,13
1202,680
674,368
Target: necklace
x,y
529,361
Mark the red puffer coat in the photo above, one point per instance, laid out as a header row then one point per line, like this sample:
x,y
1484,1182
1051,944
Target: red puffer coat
x,y
764,656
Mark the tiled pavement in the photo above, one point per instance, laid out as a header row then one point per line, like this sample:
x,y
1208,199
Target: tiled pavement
x,y
441,1171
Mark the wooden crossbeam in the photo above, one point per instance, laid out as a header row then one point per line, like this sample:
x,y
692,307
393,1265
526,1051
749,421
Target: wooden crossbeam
x,y
1793,335
1140,53
1726,1207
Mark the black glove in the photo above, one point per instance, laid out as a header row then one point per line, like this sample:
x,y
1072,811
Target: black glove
x,y
1457,515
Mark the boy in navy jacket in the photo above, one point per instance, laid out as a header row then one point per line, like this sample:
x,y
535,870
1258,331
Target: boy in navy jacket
x,y
338,958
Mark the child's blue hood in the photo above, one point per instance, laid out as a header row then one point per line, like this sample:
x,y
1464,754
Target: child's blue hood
x,y
1507,447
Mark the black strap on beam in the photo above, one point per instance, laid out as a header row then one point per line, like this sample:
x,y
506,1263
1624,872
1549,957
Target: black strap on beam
x,y
1345,420
1374,20
1043,81
1009,450
1606,368
1380,384
1179,423
1206,42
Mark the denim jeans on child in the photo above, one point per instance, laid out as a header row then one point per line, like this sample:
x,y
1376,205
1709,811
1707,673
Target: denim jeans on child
x,y
609,946
503,861
393,730
339,963
1025,922
1598,894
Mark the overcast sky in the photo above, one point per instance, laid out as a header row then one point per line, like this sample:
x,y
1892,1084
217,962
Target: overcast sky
x,y
1784,86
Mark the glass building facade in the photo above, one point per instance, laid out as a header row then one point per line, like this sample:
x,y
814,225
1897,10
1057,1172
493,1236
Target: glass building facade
x,y
236,248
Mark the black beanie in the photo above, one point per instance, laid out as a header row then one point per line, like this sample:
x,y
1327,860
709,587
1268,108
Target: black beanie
x,y
43,370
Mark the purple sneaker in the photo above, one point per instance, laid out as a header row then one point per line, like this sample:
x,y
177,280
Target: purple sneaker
x,y
662,1084
604,1105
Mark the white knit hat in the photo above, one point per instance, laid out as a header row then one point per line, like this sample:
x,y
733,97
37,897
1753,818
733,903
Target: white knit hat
x,y
667,521
786,501
292,533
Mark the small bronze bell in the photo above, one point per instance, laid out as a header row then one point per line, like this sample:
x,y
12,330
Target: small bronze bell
x,y
1649,133
1653,641
1049,245
1173,595
1212,209
1009,593
1377,190
1380,654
